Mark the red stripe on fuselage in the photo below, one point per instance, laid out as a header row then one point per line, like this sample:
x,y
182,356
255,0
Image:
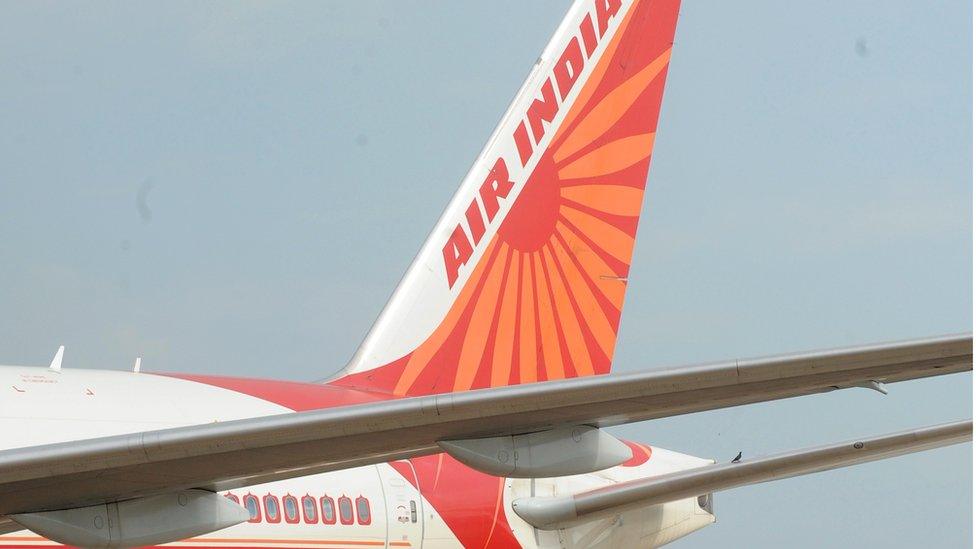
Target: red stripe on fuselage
x,y
290,394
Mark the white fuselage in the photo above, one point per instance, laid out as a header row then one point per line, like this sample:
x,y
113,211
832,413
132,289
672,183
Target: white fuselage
x,y
373,506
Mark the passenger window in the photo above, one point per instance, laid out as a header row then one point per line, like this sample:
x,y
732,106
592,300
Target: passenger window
x,y
309,510
290,503
328,510
232,497
413,511
362,510
345,510
271,510
253,507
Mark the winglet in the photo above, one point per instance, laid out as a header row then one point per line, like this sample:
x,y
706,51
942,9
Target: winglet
x,y
138,365
56,363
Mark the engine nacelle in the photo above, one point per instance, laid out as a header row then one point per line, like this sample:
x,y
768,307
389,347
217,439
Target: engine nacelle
x,y
133,523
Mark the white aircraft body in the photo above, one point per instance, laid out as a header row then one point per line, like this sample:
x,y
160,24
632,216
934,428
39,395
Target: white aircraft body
x,y
474,412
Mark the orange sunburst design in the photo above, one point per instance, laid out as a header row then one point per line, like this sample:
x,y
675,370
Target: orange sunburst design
x,y
611,199
422,355
501,366
538,305
527,321
549,330
598,73
593,265
596,320
611,108
609,238
579,355
477,333
612,157
544,300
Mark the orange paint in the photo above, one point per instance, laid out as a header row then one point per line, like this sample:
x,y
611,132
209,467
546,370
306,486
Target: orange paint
x,y
476,335
609,238
596,319
612,199
611,108
421,357
610,158
551,355
527,343
501,362
579,354
593,81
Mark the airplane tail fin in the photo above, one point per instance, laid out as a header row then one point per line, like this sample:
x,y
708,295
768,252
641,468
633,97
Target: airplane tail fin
x,y
523,277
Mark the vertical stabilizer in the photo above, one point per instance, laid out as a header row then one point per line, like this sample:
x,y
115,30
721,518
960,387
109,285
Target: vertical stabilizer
x,y
523,277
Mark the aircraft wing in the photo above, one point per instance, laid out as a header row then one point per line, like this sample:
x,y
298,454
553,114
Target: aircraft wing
x,y
238,453
555,512
7,526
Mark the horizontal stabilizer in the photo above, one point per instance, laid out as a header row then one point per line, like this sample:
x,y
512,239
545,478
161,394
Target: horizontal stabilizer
x,y
554,512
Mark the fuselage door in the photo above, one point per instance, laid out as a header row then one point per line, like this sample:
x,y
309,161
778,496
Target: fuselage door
x,y
404,506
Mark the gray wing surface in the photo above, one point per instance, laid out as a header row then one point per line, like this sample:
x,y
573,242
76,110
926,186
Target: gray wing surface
x,y
238,453
555,512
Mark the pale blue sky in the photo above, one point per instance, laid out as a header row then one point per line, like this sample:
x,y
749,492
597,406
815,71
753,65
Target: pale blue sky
x,y
235,188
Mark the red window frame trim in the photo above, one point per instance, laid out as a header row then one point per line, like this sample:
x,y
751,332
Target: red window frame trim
x,y
315,518
335,510
352,510
369,511
267,513
232,497
257,505
284,509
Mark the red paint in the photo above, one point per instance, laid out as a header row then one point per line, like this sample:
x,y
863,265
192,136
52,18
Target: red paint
x,y
364,514
569,67
588,34
530,226
496,186
344,505
293,501
466,499
532,219
313,517
476,223
542,110
248,498
290,394
469,501
272,509
456,253
605,9
328,510
641,453
521,137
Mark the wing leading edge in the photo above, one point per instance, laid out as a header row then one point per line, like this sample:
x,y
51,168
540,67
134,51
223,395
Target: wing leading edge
x,y
246,452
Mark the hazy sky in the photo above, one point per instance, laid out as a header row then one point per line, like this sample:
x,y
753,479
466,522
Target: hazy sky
x,y
235,188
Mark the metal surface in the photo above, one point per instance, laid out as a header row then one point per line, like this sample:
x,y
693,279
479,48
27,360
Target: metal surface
x,y
138,522
569,450
555,512
7,526
251,451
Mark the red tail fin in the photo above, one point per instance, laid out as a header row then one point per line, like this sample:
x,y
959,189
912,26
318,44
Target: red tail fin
x,y
523,278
